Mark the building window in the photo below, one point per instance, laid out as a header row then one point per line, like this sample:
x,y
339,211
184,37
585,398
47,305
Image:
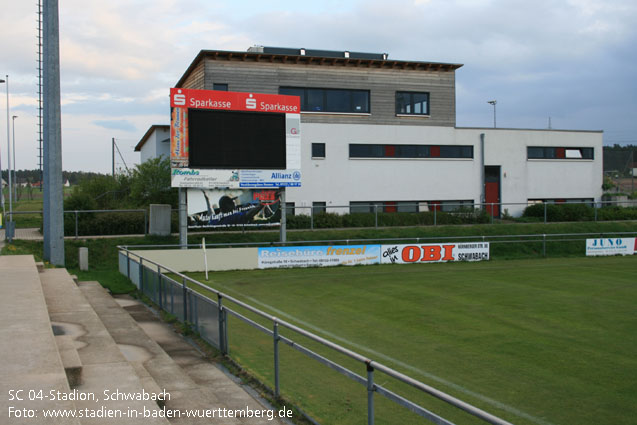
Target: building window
x,y
220,86
319,207
409,206
409,151
543,152
318,150
330,100
412,103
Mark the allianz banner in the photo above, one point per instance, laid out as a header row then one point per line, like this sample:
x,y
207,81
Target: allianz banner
x,y
434,252
611,246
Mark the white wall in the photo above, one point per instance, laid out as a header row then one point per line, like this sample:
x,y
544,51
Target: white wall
x,y
338,180
156,145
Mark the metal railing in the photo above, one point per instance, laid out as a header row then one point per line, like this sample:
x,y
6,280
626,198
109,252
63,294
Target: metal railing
x,y
78,213
210,319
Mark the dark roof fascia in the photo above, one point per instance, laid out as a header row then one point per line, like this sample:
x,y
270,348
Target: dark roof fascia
x,y
150,130
316,60
562,130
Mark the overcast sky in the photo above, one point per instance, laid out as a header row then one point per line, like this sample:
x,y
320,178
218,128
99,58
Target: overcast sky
x,y
572,60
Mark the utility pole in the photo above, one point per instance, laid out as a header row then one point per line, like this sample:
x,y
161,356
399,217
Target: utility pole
x,y
53,212
113,154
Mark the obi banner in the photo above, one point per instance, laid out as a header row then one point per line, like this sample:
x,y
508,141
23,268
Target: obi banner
x,y
611,246
227,208
434,253
318,256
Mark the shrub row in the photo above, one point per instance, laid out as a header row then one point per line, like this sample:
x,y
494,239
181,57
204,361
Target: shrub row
x,y
108,223
331,220
578,212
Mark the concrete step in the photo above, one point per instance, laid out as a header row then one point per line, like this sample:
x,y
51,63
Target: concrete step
x,y
70,359
31,364
191,380
105,369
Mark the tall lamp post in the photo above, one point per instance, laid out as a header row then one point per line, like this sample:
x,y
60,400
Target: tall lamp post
x,y
493,102
2,193
15,178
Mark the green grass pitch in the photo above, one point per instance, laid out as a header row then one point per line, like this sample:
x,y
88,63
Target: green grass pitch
x,y
542,341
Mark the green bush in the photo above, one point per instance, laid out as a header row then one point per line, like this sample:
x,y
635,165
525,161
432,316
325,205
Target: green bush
x,y
324,220
617,213
561,212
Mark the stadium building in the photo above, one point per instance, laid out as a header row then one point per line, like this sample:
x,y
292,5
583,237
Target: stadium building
x,y
381,133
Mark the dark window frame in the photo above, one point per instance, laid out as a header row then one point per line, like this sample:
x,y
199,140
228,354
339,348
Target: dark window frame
x,y
220,86
401,105
316,153
325,100
375,151
560,153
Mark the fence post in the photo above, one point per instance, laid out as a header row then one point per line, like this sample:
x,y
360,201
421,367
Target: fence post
x,y
544,245
545,212
276,359
370,395
161,301
492,213
127,264
435,214
222,328
312,218
145,222
595,208
141,274
185,296
376,216
75,224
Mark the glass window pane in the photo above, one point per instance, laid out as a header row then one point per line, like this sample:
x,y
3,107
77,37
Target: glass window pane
x,y
360,101
535,152
315,100
338,100
318,150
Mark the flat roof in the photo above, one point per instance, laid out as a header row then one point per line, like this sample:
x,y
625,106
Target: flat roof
x,y
292,56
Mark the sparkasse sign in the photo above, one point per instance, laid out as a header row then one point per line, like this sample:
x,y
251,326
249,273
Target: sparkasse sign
x,y
234,101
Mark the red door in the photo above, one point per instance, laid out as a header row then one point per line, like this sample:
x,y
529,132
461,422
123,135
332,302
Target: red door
x,y
492,195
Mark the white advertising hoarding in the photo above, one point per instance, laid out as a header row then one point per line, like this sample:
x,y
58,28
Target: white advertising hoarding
x,y
434,253
611,246
318,256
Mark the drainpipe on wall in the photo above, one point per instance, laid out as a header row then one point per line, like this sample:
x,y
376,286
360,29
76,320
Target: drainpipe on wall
x,y
483,196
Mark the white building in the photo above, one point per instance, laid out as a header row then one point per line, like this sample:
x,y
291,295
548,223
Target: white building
x,y
382,132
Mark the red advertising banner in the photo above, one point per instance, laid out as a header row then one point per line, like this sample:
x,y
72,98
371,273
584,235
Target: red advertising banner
x,y
234,101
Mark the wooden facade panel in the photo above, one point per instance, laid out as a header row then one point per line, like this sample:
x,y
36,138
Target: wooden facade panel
x,y
382,84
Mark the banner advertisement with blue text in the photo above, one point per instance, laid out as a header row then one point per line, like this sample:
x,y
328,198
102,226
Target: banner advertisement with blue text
x,y
318,256
611,246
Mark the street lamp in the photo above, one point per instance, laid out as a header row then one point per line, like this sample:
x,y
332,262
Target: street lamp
x,y
493,102
15,178
9,225
2,191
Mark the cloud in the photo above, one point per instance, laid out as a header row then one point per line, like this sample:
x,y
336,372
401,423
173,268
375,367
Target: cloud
x,y
123,125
